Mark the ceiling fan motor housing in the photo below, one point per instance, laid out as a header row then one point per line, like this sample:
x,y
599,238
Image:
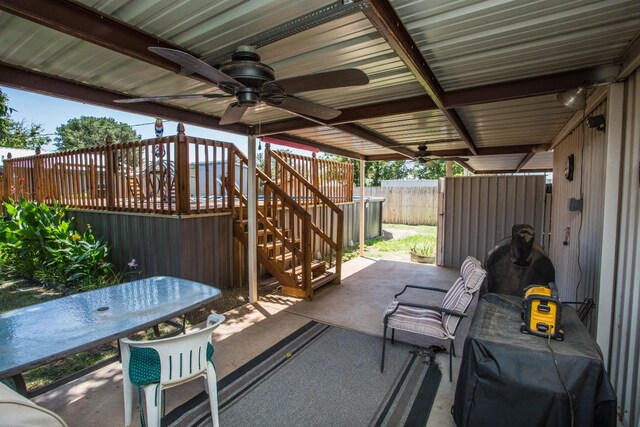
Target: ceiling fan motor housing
x,y
245,67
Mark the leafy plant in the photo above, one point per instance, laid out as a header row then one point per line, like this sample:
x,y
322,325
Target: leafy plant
x,y
38,243
426,248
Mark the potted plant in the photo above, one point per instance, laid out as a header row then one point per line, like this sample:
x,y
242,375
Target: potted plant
x,y
423,253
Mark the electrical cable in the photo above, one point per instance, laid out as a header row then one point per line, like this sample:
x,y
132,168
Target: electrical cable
x,y
555,362
582,143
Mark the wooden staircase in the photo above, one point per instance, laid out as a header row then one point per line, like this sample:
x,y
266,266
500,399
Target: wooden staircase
x,y
295,243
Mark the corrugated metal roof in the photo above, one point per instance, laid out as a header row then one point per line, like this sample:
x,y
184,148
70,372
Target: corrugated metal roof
x,y
508,162
415,128
338,139
516,122
471,43
466,43
540,161
348,42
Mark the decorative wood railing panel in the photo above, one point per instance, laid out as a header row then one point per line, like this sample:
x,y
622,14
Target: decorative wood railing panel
x,y
331,178
169,175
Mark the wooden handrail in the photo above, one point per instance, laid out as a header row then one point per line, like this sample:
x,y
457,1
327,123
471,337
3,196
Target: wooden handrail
x,y
320,201
310,186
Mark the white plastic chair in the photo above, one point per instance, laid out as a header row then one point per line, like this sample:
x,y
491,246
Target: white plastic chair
x,y
181,358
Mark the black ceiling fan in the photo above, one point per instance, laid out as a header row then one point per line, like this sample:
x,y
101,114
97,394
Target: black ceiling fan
x,y
423,155
249,81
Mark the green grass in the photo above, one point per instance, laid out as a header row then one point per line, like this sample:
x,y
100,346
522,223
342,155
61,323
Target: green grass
x,y
379,247
46,374
19,293
421,229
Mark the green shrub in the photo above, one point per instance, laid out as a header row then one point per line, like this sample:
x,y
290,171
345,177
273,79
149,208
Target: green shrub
x,y
38,243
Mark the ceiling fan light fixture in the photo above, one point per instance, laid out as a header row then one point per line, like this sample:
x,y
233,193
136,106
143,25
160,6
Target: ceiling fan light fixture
x,y
574,99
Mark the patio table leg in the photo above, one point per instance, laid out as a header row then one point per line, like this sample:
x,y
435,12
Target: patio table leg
x,y
21,387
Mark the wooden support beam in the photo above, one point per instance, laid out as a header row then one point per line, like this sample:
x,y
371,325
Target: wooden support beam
x,y
516,89
524,88
252,226
361,132
466,166
55,86
361,210
323,147
385,19
524,161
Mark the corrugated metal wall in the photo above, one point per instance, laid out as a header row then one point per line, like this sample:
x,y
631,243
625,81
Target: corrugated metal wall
x,y
195,247
625,342
578,262
372,221
480,210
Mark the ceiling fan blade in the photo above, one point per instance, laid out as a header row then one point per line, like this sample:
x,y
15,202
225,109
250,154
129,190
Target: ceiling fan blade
x,y
166,97
196,65
327,80
306,108
233,114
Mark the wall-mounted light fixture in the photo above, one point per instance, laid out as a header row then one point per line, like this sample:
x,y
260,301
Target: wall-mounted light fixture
x,y
596,122
574,99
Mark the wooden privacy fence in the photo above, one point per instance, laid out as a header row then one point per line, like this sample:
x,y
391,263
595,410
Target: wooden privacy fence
x,y
406,205
148,176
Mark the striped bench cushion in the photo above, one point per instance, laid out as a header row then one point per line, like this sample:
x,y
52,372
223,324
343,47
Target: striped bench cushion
x,y
458,299
473,274
418,320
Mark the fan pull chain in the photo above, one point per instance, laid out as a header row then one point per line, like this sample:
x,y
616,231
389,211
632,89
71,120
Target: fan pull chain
x,y
259,125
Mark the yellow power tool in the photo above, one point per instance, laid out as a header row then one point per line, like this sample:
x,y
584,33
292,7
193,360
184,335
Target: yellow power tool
x,y
542,312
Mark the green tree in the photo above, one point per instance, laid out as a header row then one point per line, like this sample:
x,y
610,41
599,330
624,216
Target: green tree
x,y
17,133
438,170
92,131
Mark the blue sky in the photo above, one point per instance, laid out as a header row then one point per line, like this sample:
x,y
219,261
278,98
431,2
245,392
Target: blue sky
x,y
51,112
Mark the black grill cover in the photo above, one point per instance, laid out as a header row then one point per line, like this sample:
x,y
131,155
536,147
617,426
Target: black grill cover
x,y
508,378
516,263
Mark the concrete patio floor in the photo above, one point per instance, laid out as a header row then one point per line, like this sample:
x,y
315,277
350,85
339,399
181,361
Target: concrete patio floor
x,y
358,303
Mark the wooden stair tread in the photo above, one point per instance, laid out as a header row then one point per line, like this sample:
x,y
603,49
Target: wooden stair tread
x,y
323,279
315,264
277,244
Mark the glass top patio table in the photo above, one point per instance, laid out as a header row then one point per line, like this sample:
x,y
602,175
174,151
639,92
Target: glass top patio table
x,y
41,333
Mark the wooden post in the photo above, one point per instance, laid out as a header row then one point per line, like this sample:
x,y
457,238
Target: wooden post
x,y
361,251
267,160
231,180
36,176
449,165
252,216
7,177
314,171
110,166
307,254
183,203
339,239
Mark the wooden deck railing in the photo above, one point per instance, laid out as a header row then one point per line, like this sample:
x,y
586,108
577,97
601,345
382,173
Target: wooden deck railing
x,y
326,216
169,175
330,177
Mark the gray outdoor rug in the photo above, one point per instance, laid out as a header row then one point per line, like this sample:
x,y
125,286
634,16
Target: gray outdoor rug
x,y
322,375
